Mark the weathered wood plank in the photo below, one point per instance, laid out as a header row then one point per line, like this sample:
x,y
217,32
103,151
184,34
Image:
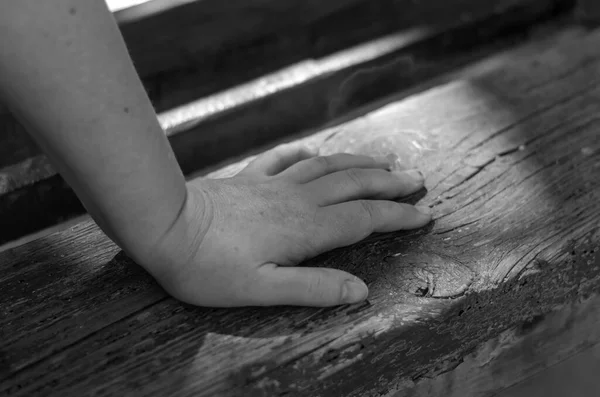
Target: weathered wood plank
x,y
514,180
520,353
300,97
191,32
174,35
222,64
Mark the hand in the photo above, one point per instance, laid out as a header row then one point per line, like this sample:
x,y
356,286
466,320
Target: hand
x,y
237,241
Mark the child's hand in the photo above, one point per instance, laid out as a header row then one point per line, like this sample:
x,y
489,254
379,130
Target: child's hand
x,y
238,239
228,242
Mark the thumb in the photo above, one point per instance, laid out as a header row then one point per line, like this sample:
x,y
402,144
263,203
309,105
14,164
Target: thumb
x,y
306,286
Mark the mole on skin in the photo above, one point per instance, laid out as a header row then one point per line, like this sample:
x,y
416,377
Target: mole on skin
x,y
72,11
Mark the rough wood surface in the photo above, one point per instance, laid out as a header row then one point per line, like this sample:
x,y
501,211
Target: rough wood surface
x,y
512,156
305,95
543,349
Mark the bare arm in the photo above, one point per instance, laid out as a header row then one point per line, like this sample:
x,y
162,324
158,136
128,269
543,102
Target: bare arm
x,y
66,73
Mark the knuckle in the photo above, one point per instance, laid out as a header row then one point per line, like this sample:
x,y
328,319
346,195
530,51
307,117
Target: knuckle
x,y
357,178
366,208
314,286
369,212
301,149
284,149
323,162
278,153
318,288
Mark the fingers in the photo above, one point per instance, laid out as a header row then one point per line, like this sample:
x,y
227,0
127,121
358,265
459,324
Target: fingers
x,y
304,286
353,221
316,167
278,159
359,183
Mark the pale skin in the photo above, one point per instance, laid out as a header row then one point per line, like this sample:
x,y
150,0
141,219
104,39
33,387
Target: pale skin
x,y
65,72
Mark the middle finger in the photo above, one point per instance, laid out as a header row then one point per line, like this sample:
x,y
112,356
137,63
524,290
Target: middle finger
x,y
359,183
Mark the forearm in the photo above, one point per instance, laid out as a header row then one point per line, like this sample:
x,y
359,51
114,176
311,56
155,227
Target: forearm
x,y
65,72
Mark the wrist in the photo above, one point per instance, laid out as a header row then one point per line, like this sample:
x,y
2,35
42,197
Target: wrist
x,y
177,244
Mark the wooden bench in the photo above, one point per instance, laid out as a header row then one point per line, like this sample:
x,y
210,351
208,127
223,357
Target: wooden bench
x,y
502,285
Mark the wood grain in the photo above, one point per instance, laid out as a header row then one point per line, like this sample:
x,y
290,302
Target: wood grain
x,y
513,174
303,96
513,364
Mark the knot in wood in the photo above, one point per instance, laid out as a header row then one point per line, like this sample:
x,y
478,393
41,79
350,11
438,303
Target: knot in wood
x,y
430,275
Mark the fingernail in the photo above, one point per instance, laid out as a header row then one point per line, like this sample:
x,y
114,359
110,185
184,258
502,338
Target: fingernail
x,y
416,175
354,291
423,209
